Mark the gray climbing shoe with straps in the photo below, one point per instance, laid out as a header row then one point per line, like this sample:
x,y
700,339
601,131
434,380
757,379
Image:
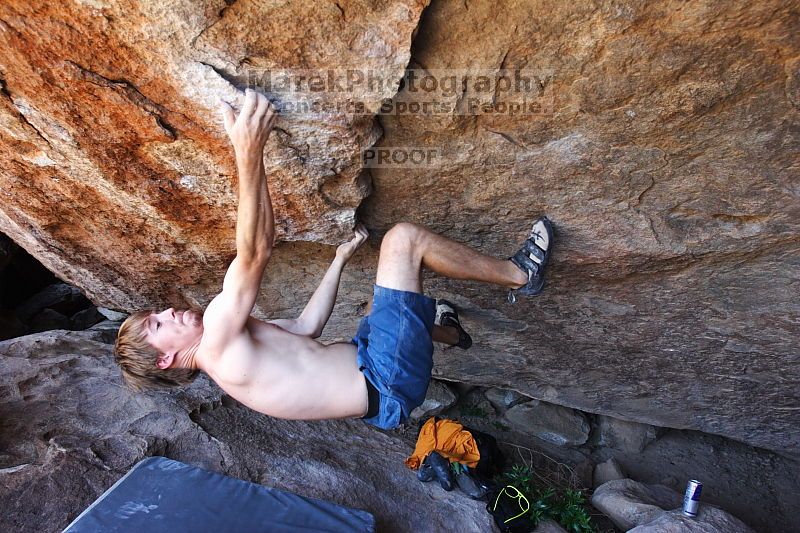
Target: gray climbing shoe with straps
x,y
532,258
446,315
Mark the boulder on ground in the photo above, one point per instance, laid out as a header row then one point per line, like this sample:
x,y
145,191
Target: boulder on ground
x,y
555,424
622,435
607,471
111,314
108,330
48,319
503,399
438,398
549,526
85,318
583,474
60,297
709,519
629,503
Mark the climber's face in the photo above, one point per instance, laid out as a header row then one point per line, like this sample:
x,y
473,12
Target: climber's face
x,y
172,332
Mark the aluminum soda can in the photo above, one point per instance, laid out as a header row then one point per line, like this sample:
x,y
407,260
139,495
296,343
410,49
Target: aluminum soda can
x,y
691,500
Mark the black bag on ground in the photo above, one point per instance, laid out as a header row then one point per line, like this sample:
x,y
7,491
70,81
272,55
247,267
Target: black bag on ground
x,y
510,510
492,459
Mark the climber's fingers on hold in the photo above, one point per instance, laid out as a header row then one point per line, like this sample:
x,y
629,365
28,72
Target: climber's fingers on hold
x,y
269,113
250,102
228,117
262,107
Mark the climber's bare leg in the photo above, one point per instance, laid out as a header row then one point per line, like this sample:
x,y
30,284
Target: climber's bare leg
x,y
443,334
407,247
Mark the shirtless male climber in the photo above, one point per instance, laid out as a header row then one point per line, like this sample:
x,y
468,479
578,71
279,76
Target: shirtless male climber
x,y
277,367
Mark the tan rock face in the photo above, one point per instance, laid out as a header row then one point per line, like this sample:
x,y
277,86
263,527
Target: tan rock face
x,y
667,160
115,168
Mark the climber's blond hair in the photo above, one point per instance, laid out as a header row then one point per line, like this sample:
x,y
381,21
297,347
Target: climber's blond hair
x,y
137,358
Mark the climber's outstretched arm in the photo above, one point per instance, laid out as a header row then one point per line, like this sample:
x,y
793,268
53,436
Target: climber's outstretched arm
x,y
318,310
255,225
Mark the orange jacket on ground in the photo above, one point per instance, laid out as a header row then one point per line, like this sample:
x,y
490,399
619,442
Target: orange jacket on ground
x,y
448,438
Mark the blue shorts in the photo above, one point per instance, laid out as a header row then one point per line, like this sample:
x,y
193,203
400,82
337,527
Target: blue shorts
x,y
395,352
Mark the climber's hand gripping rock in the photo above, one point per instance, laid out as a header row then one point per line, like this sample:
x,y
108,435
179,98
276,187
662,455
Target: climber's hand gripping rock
x,y
345,251
250,130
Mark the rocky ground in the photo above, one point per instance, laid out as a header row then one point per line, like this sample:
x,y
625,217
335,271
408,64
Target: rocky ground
x,y
758,486
69,429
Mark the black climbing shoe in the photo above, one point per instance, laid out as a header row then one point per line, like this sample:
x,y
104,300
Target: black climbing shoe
x,y
534,247
425,472
441,467
446,315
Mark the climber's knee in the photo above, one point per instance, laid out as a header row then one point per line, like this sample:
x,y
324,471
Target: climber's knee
x,y
403,234
400,260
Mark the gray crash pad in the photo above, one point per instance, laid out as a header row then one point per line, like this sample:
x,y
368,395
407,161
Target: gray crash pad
x,y
161,495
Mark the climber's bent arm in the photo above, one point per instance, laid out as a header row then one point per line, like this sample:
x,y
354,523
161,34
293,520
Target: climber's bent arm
x,y
318,310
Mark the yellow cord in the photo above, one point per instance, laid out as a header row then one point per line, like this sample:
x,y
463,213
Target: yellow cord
x,y
519,496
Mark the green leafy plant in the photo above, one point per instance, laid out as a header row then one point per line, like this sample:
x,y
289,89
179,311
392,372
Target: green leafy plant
x,y
565,506
569,510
